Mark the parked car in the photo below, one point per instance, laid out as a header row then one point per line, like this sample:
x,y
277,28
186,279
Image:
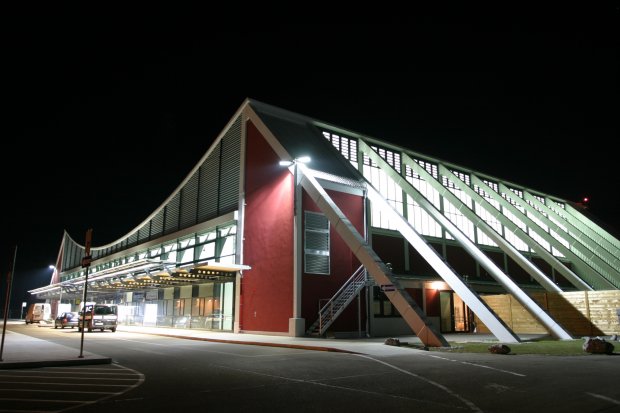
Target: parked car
x,y
66,319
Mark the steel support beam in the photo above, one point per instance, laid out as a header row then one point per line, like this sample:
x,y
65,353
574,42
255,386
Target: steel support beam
x,y
409,310
481,224
517,231
578,240
497,274
591,274
590,228
573,278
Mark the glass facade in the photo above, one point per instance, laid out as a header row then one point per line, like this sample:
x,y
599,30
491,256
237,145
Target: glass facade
x,y
199,303
422,221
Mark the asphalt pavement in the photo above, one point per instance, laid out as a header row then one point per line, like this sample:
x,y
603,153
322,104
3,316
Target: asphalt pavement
x,y
23,351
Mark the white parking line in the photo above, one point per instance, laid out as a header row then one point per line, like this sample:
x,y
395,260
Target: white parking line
x,y
468,403
607,399
482,366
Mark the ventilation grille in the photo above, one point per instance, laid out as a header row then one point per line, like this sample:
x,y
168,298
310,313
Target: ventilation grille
x,y
316,243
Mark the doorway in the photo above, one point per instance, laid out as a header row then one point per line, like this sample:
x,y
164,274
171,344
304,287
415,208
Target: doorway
x,y
456,317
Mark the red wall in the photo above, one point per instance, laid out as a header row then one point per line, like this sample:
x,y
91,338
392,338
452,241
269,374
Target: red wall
x,y
342,265
267,289
433,308
417,296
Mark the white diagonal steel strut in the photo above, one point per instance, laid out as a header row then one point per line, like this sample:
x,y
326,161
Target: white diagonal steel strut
x,y
518,232
409,310
573,278
597,276
577,239
592,229
529,304
479,223
479,307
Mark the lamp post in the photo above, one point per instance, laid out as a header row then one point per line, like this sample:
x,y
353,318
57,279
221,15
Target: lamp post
x,y
296,324
53,268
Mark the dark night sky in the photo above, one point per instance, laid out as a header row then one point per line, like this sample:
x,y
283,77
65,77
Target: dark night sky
x,y
105,113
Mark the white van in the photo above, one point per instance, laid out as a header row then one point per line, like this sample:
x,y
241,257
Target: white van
x,y
98,316
38,312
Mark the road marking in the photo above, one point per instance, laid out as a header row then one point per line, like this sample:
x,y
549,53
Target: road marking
x,y
64,384
138,382
352,376
481,366
57,391
607,399
315,382
468,403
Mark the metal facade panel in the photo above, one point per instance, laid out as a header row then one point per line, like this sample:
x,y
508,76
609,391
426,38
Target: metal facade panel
x,y
316,264
157,224
189,202
208,189
132,240
172,215
143,234
230,169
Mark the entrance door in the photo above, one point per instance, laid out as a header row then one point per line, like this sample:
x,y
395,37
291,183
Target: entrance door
x,y
455,315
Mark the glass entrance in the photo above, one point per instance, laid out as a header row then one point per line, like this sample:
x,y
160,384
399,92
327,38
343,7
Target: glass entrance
x,y
456,317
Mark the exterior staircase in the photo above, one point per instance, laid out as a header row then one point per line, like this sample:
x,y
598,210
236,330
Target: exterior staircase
x,y
336,305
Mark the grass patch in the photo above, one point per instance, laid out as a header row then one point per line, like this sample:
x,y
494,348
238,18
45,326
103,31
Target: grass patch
x,y
542,347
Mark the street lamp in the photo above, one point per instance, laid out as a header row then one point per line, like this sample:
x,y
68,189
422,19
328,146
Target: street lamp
x,y
53,268
296,324
302,159
294,162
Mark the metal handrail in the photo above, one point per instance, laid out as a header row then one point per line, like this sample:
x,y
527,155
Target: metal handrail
x,y
327,313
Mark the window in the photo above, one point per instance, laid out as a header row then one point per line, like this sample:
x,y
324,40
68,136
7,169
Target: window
x,y
316,243
382,305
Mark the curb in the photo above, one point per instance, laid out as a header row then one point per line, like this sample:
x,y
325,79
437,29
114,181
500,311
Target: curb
x,y
53,363
254,343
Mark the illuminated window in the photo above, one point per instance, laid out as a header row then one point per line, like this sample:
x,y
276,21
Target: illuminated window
x,y
346,146
386,186
421,221
382,305
452,212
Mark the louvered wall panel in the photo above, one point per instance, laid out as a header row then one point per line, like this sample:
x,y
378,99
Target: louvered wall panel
x,y
209,178
157,225
79,253
132,240
172,215
75,255
230,169
212,191
66,254
189,201
317,264
144,232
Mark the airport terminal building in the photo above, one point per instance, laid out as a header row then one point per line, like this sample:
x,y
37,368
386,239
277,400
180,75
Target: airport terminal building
x,y
292,226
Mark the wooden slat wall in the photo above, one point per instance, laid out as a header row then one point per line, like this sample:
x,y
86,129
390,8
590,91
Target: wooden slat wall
x,y
581,313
